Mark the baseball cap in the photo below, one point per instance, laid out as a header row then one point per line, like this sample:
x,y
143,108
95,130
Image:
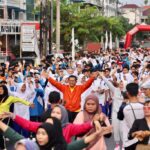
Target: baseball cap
x,y
146,85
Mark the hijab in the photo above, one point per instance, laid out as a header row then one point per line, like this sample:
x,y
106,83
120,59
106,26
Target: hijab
x,y
29,93
88,116
55,136
29,144
19,93
5,95
64,115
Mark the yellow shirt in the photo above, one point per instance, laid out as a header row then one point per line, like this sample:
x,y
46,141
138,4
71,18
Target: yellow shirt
x,y
71,89
4,107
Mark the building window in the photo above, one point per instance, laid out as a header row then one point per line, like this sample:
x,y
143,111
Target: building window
x,y
17,15
9,13
142,20
1,13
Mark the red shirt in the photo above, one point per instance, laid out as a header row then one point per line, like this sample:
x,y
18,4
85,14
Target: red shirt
x,y
69,130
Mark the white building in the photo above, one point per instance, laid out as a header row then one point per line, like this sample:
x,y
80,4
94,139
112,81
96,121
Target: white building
x,y
133,12
145,14
110,8
13,9
13,13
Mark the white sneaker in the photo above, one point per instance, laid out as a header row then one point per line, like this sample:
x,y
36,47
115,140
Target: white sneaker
x,y
117,147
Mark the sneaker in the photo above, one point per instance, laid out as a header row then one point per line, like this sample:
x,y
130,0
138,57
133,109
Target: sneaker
x,y
117,147
122,148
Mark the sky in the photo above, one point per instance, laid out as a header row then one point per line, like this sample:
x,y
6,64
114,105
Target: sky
x,y
139,2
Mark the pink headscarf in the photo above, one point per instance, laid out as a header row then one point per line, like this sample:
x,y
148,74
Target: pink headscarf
x,y
87,116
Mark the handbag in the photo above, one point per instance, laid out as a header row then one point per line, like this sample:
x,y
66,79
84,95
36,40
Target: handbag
x,y
120,114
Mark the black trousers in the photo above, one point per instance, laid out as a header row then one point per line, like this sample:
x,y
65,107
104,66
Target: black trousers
x,y
72,116
2,143
132,147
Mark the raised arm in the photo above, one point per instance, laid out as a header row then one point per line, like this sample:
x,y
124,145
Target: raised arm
x,y
13,99
26,124
109,84
58,85
87,84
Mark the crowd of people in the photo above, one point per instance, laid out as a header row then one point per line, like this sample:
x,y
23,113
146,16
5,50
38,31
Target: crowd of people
x,y
67,104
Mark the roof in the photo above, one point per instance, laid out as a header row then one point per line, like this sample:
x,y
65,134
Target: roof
x,y
130,6
146,12
146,7
93,47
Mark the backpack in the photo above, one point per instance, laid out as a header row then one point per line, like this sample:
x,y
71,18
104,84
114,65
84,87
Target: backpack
x,y
120,114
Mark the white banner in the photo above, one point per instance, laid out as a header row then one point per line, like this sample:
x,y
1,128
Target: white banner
x,y
28,38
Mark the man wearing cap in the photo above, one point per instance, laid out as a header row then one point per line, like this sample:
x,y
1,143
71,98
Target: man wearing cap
x,y
72,93
146,90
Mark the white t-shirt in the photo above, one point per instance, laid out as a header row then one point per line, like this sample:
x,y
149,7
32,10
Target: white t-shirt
x,y
129,118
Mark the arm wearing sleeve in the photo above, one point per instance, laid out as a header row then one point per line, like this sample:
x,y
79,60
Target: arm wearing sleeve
x,y
87,84
40,92
77,145
77,129
133,129
12,135
16,100
26,124
109,84
58,85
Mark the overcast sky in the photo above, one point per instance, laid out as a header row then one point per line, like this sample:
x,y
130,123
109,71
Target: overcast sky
x,y
139,2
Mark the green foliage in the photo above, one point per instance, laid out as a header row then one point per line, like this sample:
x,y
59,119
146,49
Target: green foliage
x,y
88,23
145,2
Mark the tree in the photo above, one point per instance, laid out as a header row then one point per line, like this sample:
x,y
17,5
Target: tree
x,y
145,2
88,23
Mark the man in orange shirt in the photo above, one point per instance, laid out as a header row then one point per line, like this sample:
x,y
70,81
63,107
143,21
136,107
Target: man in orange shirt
x,y
72,93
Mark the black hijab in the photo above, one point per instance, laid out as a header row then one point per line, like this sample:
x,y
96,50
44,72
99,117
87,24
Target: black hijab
x,y
5,95
55,135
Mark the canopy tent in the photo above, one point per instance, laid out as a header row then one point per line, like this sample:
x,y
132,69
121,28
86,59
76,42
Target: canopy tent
x,y
133,31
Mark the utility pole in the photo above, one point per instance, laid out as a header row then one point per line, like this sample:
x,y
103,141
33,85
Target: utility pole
x,y
45,27
50,26
41,28
57,25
